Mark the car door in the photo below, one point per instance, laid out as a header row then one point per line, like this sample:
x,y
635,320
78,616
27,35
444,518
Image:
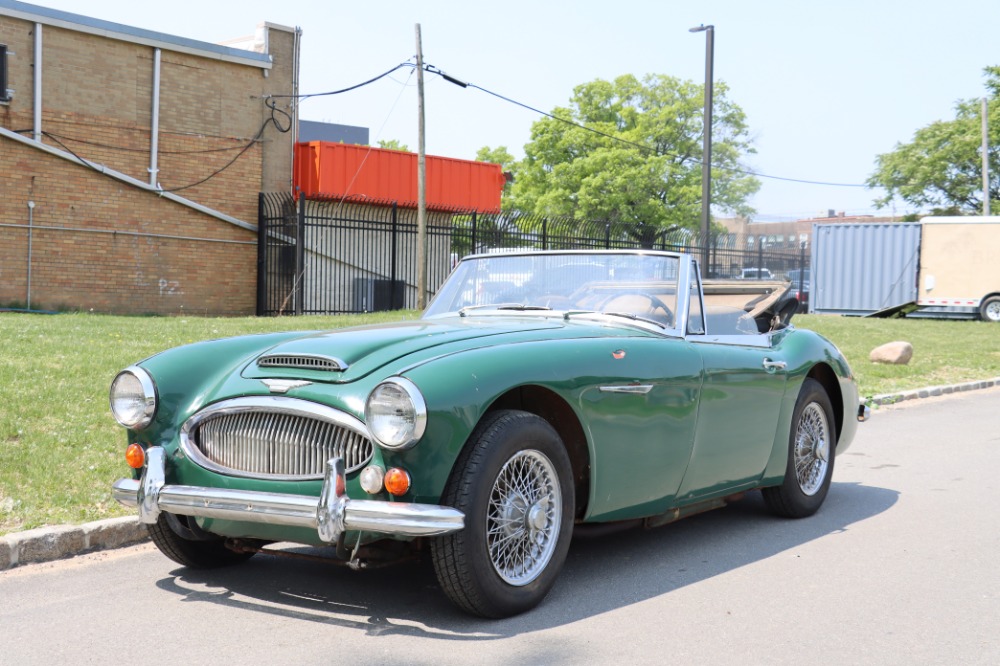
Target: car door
x,y
641,417
743,384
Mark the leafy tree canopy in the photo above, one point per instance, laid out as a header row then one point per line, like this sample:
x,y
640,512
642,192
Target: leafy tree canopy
x,y
941,168
499,155
393,144
652,172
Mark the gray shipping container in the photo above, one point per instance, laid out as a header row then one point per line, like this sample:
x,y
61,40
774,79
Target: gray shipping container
x,y
858,269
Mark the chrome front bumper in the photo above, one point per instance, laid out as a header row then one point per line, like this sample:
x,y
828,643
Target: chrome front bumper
x,y
332,514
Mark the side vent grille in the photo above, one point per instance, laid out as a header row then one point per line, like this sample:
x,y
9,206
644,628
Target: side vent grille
x,y
302,362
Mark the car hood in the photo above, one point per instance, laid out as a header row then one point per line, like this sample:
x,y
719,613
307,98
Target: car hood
x,y
360,351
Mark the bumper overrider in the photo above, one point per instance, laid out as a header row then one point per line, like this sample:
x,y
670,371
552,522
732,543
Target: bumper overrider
x,y
332,514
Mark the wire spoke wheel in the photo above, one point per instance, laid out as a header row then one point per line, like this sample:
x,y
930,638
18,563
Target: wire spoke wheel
x,y
523,517
514,483
812,446
812,449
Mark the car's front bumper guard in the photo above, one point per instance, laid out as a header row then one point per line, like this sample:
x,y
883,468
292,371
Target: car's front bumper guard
x,y
331,515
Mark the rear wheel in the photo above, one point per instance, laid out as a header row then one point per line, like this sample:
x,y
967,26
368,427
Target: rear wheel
x,y
180,539
513,482
989,309
811,447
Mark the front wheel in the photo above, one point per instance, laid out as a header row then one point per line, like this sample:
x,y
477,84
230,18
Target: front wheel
x,y
811,447
513,482
989,309
180,539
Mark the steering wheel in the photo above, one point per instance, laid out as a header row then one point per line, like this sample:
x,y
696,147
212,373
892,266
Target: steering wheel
x,y
651,306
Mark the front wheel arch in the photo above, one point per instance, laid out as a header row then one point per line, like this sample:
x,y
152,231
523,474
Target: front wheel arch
x,y
827,378
549,406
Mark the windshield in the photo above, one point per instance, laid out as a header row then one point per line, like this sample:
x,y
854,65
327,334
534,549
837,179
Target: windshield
x,y
639,285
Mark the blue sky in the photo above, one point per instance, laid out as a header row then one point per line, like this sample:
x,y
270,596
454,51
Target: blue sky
x,y
826,86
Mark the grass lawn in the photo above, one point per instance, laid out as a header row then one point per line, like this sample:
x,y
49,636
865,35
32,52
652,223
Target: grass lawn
x,y
60,449
944,352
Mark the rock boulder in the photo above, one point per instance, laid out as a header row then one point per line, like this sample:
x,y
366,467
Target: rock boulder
x,y
896,353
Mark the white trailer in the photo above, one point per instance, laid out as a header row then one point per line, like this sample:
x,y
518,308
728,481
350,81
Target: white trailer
x,y
941,267
959,272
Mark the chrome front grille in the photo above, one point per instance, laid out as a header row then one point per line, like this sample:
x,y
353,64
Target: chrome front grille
x,y
277,438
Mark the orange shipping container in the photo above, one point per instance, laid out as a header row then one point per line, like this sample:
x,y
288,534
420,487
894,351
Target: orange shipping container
x,y
362,173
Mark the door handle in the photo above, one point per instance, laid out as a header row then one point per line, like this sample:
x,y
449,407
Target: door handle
x,y
773,366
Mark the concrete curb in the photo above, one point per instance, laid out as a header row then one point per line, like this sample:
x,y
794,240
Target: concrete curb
x,y
61,541
932,391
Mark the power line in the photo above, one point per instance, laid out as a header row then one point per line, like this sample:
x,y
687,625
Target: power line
x,y
464,84
349,88
435,70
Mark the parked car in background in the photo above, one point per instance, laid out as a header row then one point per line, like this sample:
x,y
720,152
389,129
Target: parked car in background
x,y
483,433
755,274
800,286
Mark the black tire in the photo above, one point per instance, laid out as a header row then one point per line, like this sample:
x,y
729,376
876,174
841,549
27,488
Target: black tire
x,y
812,444
508,556
989,309
198,550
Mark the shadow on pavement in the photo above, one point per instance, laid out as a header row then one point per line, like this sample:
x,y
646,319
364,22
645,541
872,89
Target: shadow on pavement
x,y
600,574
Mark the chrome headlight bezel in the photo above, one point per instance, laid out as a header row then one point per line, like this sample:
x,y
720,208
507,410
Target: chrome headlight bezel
x,y
396,414
143,411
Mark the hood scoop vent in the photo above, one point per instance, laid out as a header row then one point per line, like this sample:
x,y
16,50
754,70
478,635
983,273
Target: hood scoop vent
x,y
302,362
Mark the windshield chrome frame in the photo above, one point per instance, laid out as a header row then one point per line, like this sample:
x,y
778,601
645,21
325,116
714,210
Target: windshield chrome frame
x,y
685,268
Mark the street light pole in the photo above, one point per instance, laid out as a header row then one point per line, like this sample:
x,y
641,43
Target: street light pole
x,y
421,182
706,150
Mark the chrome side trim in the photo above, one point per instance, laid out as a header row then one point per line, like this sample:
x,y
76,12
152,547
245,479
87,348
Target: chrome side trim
x,y
330,515
639,389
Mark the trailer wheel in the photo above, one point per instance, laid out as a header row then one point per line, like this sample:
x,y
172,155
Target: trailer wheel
x,y
989,310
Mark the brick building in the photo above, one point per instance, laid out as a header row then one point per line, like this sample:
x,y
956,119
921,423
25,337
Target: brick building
x,y
131,161
794,233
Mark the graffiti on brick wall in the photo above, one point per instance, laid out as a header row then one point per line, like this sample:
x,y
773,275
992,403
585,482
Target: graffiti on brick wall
x,y
170,288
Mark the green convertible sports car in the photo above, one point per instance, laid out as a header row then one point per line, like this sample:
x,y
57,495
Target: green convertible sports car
x,y
538,392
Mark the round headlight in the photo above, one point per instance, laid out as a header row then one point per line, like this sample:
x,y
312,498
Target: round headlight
x,y
133,398
396,413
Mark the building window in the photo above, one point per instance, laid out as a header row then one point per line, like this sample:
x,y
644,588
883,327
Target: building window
x,y
4,96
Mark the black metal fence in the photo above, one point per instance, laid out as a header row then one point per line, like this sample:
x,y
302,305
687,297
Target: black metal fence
x,y
330,257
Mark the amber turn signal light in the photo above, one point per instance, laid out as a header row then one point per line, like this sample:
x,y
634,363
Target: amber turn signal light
x,y
135,456
397,481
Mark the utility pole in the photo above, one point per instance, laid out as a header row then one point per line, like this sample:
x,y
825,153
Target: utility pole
x,y
706,151
986,159
421,184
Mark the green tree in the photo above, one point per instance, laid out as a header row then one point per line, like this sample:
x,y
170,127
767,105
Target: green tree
x,y
393,144
650,171
500,155
941,168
